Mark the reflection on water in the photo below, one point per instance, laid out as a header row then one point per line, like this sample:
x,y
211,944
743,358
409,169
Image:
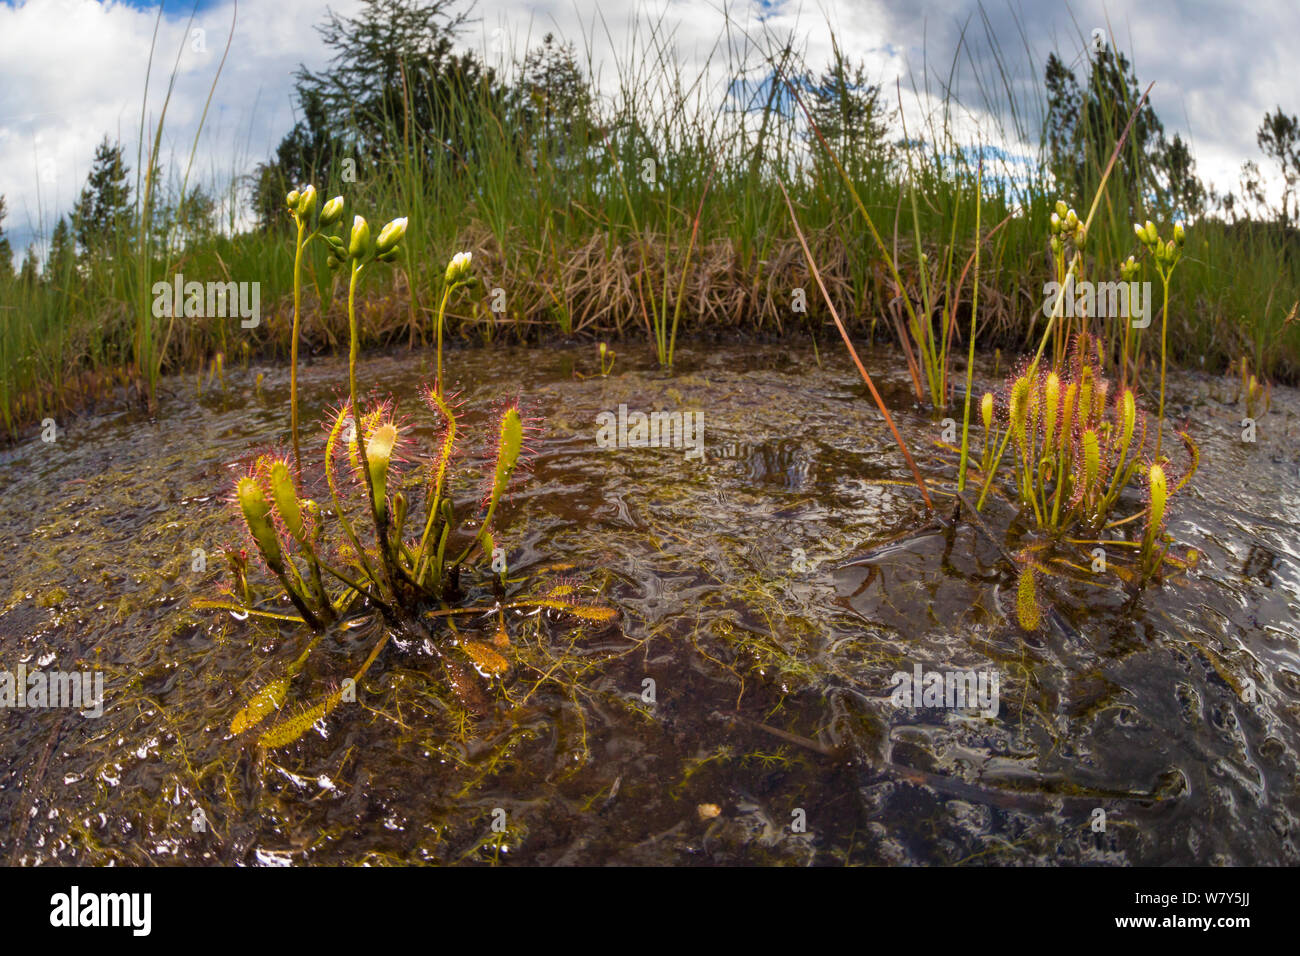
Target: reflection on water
x,y
740,710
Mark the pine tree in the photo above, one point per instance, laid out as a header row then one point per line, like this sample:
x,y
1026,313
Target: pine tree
x,y
1064,102
394,66
848,110
63,254
1084,124
1279,137
105,203
394,73
1184,192
552,97
6,252
30,274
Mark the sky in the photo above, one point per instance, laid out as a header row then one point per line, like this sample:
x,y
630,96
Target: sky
x,y
73,71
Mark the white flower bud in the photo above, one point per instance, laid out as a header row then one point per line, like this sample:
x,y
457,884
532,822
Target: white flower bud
x,y
390,235
332,211
458,268
359,243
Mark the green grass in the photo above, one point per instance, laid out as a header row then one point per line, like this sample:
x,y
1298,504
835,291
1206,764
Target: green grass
x,y
579,242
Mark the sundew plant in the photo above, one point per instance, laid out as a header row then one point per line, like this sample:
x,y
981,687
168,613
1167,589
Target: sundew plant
x,y
1060,443
388,541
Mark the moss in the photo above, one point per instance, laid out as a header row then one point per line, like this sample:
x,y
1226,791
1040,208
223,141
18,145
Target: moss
x,y
52,597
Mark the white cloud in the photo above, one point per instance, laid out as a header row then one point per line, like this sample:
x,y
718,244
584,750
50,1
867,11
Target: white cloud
x,y
73,70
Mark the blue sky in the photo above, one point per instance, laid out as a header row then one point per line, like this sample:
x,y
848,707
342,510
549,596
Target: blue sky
x,y
72,71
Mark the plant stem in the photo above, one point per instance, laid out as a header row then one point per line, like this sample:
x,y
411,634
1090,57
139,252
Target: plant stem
x,y
1164,329
377,511
293,345
442,311
354,348
970,359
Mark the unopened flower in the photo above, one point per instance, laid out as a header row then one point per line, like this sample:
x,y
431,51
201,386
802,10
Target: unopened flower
x,y
390,235
359,243
306,203
458,268
332,211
